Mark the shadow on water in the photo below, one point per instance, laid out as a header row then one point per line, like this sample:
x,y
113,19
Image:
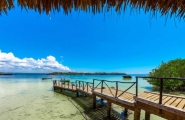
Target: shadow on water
x,y
85,106
120,116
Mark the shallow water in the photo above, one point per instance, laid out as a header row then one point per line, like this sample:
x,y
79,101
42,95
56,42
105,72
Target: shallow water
x,y
28,97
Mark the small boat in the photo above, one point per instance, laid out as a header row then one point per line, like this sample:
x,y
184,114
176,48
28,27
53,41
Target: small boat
x,y
127,77
46,78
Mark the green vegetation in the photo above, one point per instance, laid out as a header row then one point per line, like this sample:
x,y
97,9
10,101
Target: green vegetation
x,y
174,68
85,73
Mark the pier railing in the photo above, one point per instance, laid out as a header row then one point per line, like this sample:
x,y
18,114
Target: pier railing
x,y
85,86
161,85
65,84
114,90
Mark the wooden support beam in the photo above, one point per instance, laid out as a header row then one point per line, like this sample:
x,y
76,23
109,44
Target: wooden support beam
x,y
94,101
77,94
108,110
126,112
101,101
60,90
147,115
137,112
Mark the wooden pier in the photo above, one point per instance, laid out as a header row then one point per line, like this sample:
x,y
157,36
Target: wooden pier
x,y
164,105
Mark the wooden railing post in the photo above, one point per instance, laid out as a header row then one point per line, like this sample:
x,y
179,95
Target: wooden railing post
x,y
76,84
79,84
136,86
93,85
54,82
87,86
64,84
161,90
116,89
102,86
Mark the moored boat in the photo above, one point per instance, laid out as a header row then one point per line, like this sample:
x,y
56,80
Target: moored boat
x,y
127,77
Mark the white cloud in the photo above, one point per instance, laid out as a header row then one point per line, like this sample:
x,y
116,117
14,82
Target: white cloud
x,y
10,63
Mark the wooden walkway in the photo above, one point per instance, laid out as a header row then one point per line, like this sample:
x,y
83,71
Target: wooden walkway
x,y
172,101
164,105
172,107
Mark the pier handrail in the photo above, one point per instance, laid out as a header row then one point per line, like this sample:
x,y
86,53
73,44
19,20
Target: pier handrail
x,y
63,83
102,82
161,83
84,85
54,82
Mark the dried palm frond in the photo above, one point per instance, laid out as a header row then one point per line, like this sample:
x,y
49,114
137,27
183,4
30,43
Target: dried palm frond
x,y
165,7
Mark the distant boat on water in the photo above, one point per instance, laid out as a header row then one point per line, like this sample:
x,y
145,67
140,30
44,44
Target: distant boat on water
x,y
127,77
46,78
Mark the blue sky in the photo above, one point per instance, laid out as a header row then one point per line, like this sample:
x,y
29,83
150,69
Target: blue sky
x,y
84,42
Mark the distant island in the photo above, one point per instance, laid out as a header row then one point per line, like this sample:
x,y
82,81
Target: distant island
x,y
2,73
86,73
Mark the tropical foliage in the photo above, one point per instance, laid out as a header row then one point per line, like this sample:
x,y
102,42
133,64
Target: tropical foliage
x,y
173,68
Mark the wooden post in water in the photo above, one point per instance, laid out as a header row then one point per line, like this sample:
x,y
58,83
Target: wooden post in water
x,y
83,85
77,94
94,101
60,90
126,112
101,101
137,112
108,110
147,115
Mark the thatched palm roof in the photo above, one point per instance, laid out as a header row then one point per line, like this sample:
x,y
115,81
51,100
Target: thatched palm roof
x,y
165,7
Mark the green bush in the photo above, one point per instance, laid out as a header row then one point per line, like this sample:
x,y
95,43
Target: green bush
x,y
174,68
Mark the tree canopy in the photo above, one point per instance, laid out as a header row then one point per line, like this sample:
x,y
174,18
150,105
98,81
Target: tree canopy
x,y
173,68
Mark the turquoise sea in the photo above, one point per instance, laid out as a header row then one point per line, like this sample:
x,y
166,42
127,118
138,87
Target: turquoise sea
x,y
28,97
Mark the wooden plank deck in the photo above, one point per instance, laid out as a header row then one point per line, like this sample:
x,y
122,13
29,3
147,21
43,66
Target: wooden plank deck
x,y
125,100
168,100
111,92
171,103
